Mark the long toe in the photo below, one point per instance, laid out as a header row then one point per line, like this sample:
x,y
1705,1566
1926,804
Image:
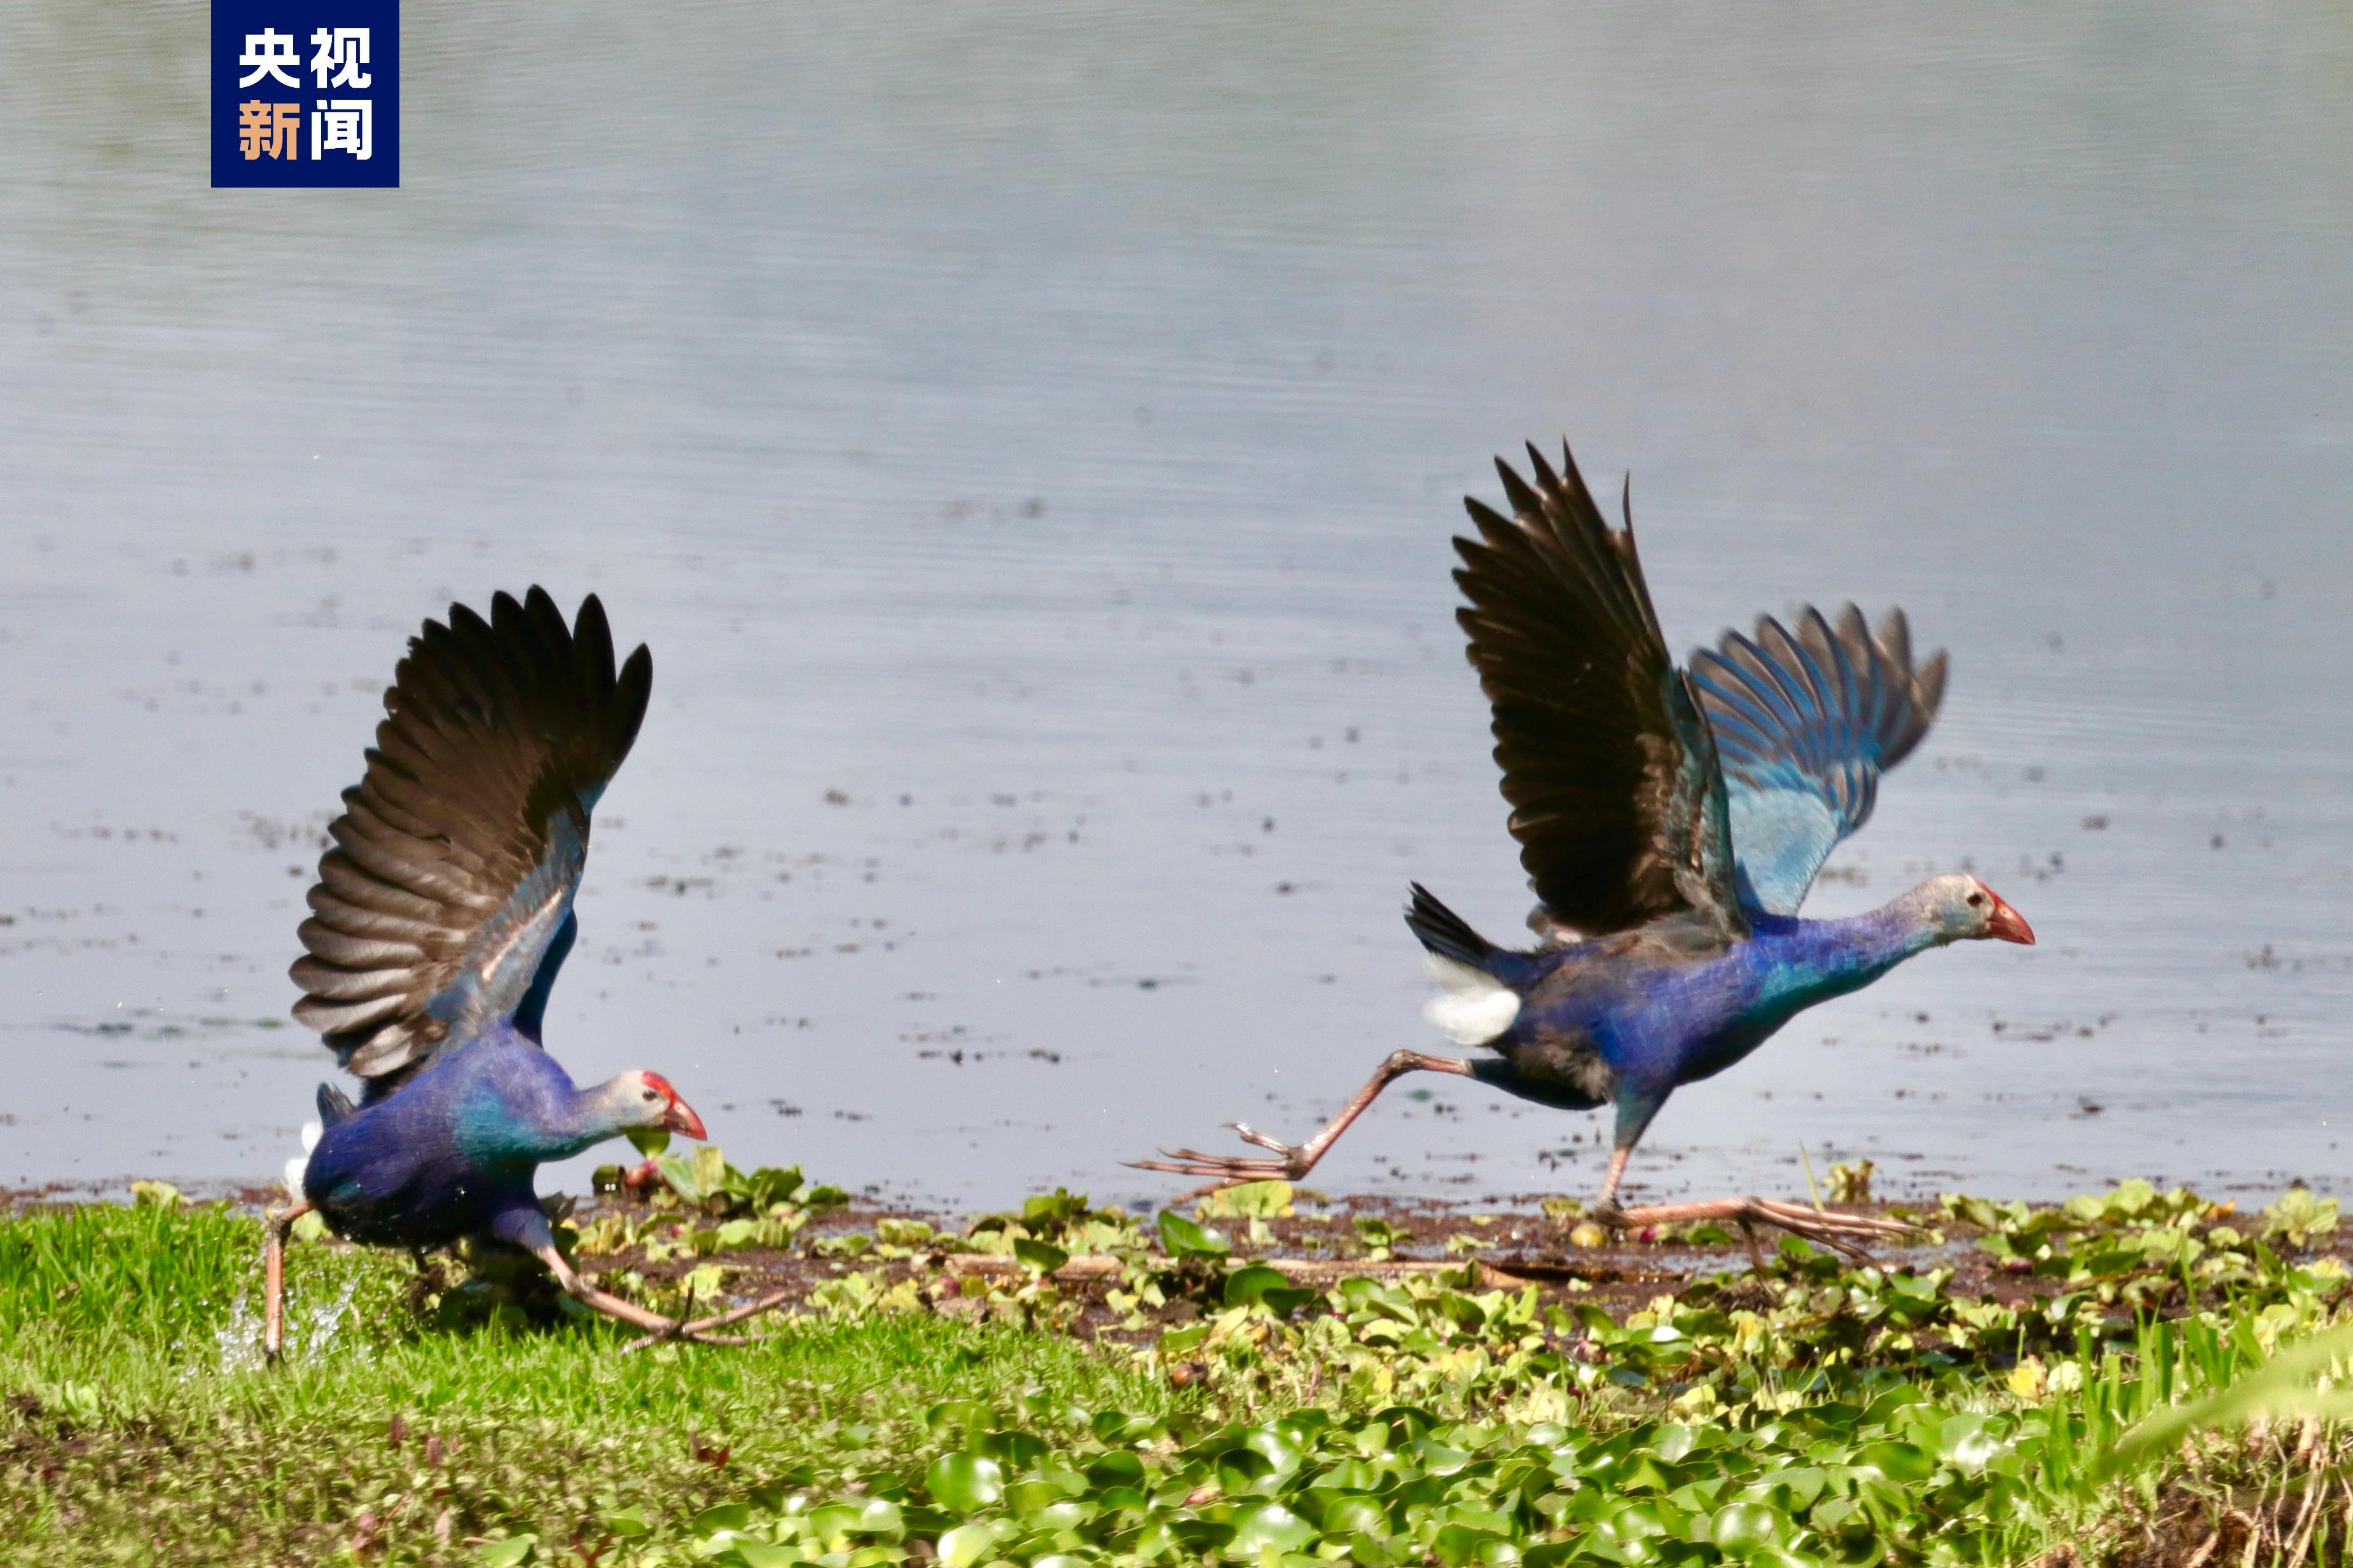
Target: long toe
x,y
1829,1220
1248,1134
1842,1233
1225,1169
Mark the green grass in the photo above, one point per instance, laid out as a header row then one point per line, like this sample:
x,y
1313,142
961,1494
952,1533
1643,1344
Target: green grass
x,y
144,1423
1824,1415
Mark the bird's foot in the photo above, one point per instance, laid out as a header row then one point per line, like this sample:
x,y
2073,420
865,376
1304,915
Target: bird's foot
x,y
1233,1170
657,1328
1842,1233
699,1330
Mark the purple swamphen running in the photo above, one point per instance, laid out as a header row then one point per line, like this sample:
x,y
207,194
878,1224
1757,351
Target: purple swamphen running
x,y
1671,823
439,919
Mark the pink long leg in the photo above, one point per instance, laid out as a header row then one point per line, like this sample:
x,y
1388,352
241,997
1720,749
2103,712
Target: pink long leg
x,y
1293,1161
273,1279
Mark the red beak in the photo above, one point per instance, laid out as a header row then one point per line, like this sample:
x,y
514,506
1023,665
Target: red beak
x,y
681,1116
2006,922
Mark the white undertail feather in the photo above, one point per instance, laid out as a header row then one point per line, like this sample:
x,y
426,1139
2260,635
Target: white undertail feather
x,y
1471,1008
300,1163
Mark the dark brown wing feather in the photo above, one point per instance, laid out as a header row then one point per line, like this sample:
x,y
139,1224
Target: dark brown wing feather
x,y
458,854
1617,799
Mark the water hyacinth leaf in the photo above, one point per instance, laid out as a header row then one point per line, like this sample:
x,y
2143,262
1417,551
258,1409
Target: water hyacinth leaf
x,y
1406,1422
1020,1449
833,1523
1251,1200
1671,1443
1200,1536
966,1482
1353,1513
1053,1210
1801,1484
1650,1517
1122,1499
1903,1463
1269,1526
1458,1546
1116,1468
958,1418
1060,1516
755,1553
725,1516
1070,1482
1182,1238
1256,1284
1239,1470
695,1175
966,1544
1742,1526
507,1552
1968,1442
1040,1257
1032,1495
882,1516
1276,1447
1176,1342
1245,1285
649,1142
1122,1426
1439,1459
770,1185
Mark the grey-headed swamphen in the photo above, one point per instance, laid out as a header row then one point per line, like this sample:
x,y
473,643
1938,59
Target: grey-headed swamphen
x,y
441,918
1671,823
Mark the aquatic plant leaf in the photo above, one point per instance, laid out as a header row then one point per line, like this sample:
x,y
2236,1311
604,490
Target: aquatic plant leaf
x,y
1250,1200
1040,1257
966,1482
1183,1238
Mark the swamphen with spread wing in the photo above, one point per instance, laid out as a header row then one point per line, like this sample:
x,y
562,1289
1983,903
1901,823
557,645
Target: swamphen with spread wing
x,y
439,920
1671,823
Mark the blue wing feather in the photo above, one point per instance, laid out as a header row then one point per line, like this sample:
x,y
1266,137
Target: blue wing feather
x,y
1805,724
530,1012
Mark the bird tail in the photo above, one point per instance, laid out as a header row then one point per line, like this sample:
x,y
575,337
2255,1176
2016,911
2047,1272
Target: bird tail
x,y
1474,1007
1445,932
333,1105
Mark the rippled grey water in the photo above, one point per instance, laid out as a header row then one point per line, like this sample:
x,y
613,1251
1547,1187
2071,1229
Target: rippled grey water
x,y
1030,438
